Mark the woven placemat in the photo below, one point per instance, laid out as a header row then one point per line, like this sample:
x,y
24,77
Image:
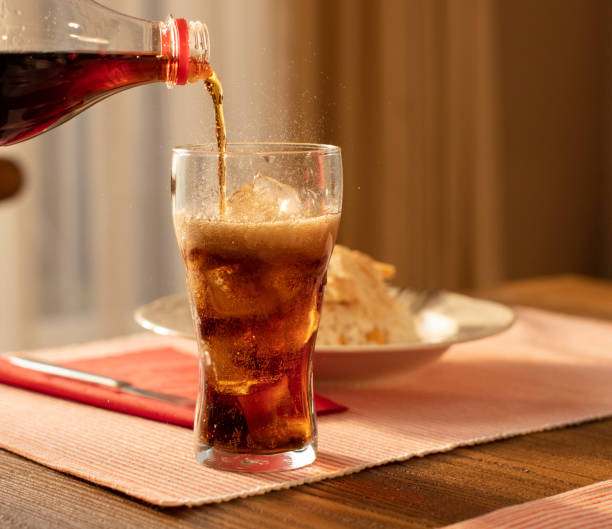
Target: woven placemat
x,y
548,371
588,507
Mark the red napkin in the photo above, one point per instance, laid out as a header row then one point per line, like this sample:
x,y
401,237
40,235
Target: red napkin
x,y
162,369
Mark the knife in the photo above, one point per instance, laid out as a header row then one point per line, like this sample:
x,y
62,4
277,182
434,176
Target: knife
x,y
100,380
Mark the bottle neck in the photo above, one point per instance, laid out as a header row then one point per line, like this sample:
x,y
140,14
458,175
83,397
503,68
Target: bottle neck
x,y
187,45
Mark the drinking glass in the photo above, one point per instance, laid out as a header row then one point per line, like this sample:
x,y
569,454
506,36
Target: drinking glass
x,y
256,249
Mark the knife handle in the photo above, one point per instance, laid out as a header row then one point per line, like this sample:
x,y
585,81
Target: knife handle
x,y
66,372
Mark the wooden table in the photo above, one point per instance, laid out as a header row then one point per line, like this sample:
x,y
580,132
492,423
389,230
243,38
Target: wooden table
x,y
428,492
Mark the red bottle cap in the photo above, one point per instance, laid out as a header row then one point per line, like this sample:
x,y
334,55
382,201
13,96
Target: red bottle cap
x,y
183,56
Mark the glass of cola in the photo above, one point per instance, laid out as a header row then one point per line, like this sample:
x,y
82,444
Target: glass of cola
x,y
256,240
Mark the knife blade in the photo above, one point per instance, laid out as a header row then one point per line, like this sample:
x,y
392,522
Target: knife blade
x,y
99,380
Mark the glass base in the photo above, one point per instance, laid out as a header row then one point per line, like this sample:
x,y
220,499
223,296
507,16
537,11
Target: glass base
x,y
215,458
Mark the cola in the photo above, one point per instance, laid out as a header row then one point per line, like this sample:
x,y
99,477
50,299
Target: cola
x,y
256,294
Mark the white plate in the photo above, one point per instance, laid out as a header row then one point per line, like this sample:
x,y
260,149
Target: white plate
x,y
442,319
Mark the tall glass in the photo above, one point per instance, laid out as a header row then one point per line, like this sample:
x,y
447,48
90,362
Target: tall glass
x,y
256,258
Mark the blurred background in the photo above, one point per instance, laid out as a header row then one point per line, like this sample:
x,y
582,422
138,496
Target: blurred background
x,y
476,142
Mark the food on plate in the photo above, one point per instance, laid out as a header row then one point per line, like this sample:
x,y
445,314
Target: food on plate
x,y
359,306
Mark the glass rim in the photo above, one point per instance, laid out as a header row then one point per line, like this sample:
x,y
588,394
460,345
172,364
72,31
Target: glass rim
x,y
257,148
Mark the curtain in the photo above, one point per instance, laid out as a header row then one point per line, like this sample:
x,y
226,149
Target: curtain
x,y
403,86
607,138
450,172
409,92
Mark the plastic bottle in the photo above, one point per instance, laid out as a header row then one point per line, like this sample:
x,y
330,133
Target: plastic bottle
x,y
58,57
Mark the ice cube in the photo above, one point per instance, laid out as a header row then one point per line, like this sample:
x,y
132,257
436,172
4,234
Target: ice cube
x,y
235,291
264,199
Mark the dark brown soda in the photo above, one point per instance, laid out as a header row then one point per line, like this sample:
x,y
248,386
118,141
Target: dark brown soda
x,y
39,91
257,309
215,89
